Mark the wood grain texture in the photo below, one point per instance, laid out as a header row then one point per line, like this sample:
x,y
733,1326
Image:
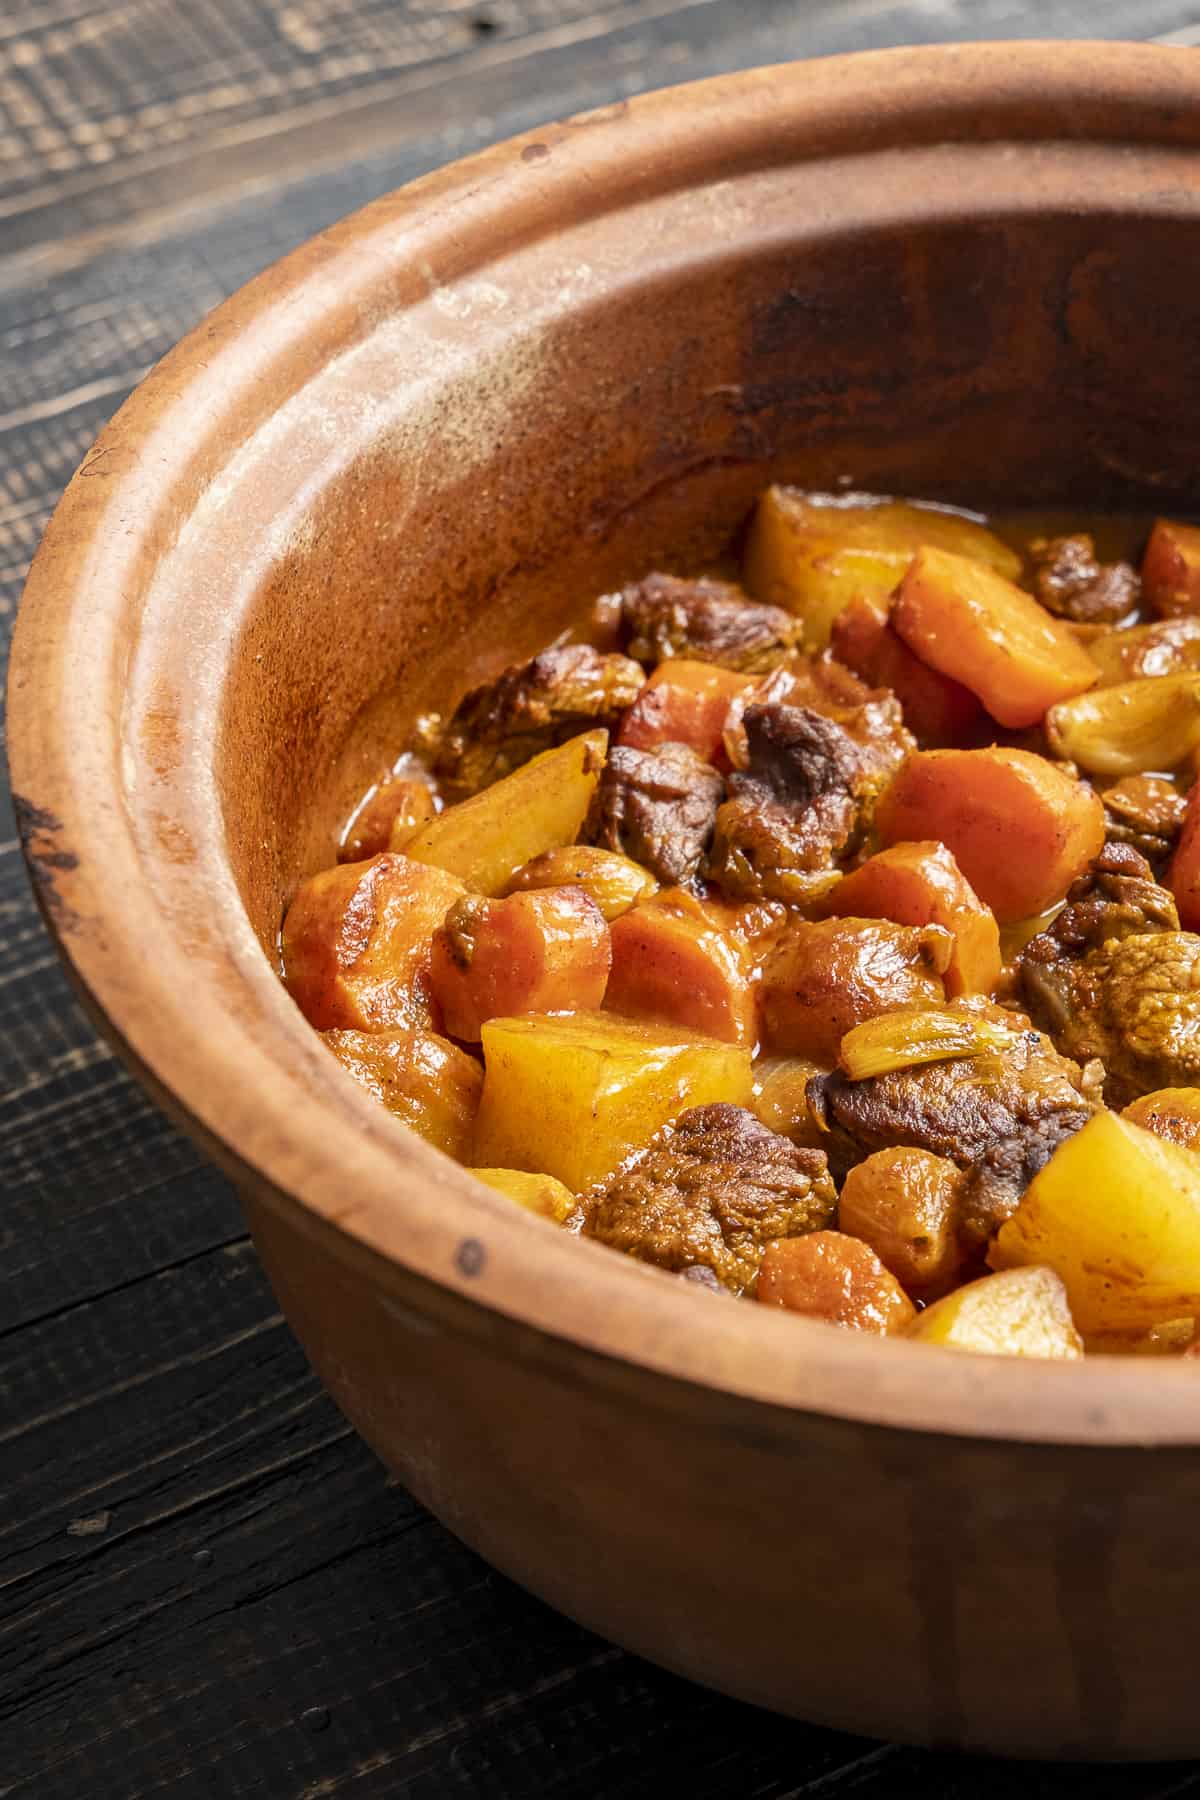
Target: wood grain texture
x,y
207,1584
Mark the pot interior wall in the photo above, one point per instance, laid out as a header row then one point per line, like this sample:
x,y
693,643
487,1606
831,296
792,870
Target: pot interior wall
x,y
1009,360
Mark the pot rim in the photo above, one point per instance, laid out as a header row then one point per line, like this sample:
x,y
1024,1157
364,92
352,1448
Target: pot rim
x,y
235,1081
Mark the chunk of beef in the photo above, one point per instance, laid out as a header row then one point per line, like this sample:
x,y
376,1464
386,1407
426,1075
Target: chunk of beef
x,y
1116,896
712,1190
657,806
999,1117
708,621
1147,813
1134,1002
1070,582
1114,977
805,795
532,706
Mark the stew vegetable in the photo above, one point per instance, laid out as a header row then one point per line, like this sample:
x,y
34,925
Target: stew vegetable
x,y
829,937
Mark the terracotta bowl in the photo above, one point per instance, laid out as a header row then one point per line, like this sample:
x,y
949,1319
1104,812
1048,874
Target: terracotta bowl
x,y
396,460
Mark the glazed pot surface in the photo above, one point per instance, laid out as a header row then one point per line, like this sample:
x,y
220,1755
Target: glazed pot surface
x,y
408,454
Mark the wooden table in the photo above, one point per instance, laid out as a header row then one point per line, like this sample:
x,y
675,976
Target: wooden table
x,y
208,1586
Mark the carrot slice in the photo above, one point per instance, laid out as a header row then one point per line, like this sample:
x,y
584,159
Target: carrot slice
x,y
921,884
1184,876
684,702
936,709
1171,568
673,960
386,818
1019,827
546,951
829,1275
356,943
974,626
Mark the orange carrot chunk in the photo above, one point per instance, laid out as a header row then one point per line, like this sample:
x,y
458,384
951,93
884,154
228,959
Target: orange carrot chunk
x,y
974,626
829,1275
356,945
921,884
674,959
1184,876
427,1083
937,710
390,813
1019,827
1171,568
546,951
684,702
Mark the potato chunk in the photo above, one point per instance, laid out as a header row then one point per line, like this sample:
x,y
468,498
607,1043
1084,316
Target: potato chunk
x,y
905,1203
1116,1212
672,960
921,884
1171,568
547,951
387,818
357,943
539,807
427,1083
613,881
1129,727
827,1275
824,977
972,625
1019,828
1171,1113
1021,1313
539,1194
572,1096
812,554
781,1097
685,702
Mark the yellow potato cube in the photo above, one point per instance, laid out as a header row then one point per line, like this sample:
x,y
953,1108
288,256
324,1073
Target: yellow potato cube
x,y
571,1095
1116,1212
540,806
540,1194
1023,1312
814,555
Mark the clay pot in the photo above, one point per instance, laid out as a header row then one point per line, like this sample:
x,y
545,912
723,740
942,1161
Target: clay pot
x,y
396,460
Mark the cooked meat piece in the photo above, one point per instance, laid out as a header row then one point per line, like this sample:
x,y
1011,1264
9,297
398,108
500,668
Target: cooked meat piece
x,y
714,1188
533,705
657,806
1147,813
1114,977
999,1117
872,715
708,621
1071,583
1116,897
805,796
1132,1001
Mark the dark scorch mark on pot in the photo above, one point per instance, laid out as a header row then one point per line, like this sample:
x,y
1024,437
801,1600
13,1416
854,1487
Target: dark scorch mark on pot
x,y
46,861
470,1257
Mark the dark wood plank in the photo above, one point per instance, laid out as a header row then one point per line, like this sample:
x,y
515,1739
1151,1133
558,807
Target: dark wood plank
x,y
207,1585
